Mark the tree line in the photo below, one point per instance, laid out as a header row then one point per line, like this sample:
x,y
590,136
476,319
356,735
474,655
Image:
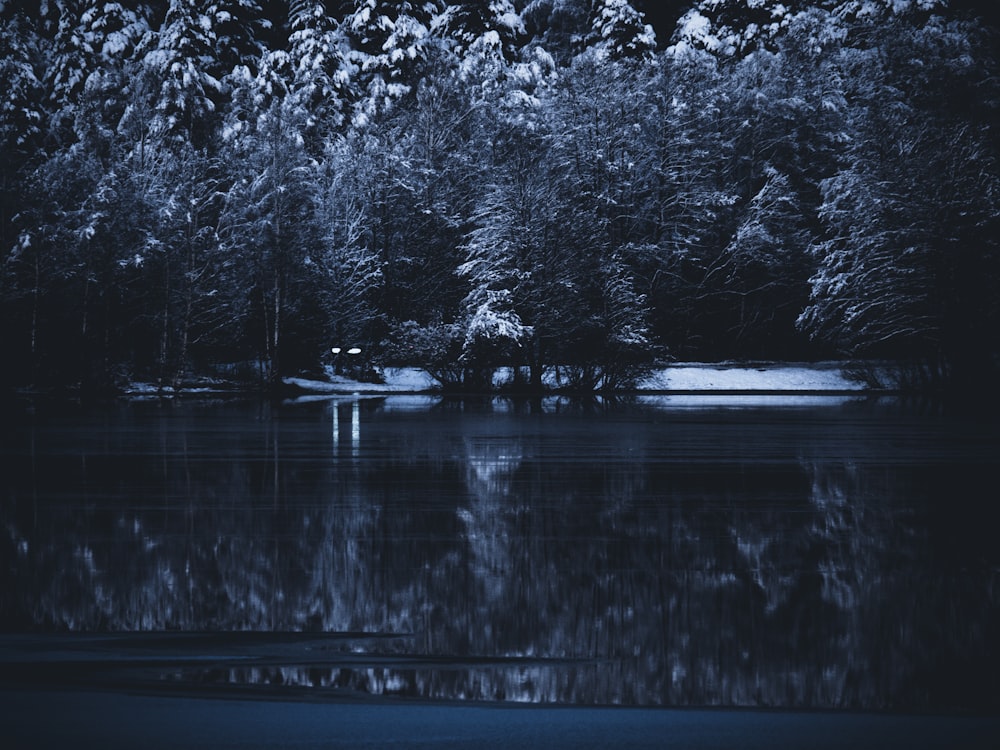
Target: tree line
x,y
204,186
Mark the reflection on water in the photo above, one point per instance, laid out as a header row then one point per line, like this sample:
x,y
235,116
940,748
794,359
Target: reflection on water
x,y
830,554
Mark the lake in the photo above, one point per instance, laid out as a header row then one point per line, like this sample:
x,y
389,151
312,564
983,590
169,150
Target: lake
x,y
811,553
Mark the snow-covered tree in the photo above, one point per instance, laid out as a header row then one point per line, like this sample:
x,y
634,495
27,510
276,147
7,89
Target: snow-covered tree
x,y
268,223
601,159
78,218
237,26
490,23
181,261
69,244
114,30
498,271
87,77
729,28
682,193
181,59
785,124
620,31
21,115
624,346
323,76
346,270
548,286
760,275
909,265
515,302
560,27
71,59
733,27
390,42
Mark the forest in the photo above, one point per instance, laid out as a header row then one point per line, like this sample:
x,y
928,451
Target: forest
x,y
232,188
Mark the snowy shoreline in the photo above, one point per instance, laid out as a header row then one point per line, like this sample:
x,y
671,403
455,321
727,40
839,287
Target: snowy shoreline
x,y
683,378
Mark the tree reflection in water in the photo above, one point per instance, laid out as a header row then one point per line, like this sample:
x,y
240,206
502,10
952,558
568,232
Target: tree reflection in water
x,y
629,554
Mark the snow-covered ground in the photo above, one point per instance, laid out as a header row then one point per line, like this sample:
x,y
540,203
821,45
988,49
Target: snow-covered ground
x,y
694,376
397,380
683,377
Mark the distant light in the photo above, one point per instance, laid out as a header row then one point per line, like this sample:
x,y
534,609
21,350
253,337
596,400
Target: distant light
x,y
336,350
354,350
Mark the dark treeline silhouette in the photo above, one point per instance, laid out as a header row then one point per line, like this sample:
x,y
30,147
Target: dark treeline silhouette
x,y
198,187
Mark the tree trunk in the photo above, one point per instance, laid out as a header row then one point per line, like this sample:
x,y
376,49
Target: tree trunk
x,y
535,365
165,331
188,307
276,334
36,293
265,306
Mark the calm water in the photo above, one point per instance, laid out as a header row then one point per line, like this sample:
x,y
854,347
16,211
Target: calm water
x,y
822,554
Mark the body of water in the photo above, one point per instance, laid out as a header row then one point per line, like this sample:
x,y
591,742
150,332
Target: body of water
x,y
827,553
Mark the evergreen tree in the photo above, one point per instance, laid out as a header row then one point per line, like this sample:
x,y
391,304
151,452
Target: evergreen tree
x,y
561,27
181,59
21,114
22,117
390,41
347,270
322,74
492,23
72,57
78,58
731,28
238,27
909,265
620,31
268,225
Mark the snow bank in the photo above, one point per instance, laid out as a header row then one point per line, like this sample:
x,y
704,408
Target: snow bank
x,y
397,380
707,377
691,377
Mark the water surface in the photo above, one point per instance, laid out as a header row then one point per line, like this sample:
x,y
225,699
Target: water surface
x,y
819,553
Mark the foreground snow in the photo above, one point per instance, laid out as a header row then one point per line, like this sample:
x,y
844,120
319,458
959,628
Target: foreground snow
x,y
689,377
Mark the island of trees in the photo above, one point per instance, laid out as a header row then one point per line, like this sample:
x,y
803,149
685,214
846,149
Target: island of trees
x,y
193,187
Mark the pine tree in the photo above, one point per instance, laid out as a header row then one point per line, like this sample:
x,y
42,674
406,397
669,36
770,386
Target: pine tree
x,y
735,28
238,26
21,109
181,59
347,268
491,23
72,58
390,41
909,264
561,27
268,221
322,74
22,117
620,31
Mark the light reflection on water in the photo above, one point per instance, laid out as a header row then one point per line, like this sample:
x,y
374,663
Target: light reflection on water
x,y
831,553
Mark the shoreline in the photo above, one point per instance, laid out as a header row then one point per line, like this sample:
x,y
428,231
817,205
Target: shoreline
x,y
681,378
